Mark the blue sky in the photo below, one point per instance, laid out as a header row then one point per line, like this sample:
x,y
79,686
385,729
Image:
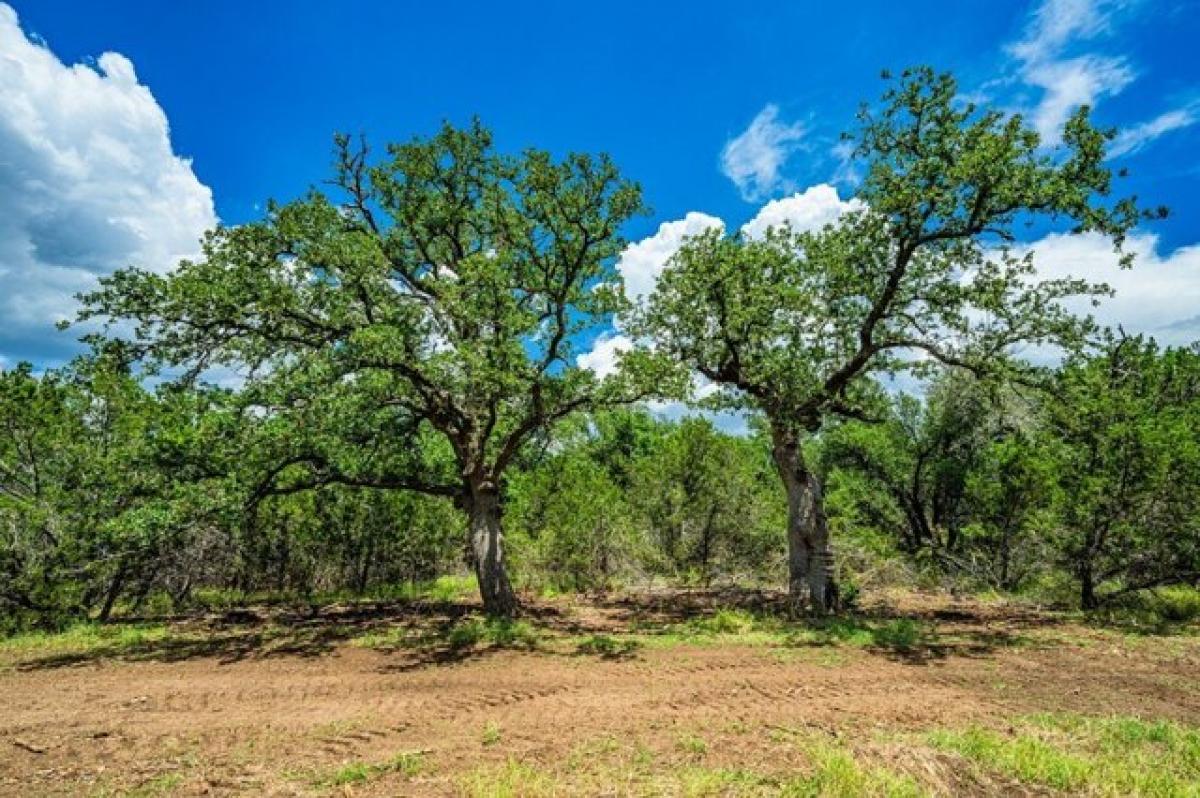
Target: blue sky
x,y
716,108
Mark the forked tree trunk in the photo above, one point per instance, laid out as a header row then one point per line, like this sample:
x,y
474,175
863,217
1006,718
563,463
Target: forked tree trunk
x,y
487,549
810,557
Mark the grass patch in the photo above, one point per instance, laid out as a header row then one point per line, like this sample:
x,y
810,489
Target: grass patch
x,y
407,764
159,785
838,774
491,734
1164,610
512,780
1116,756
86,637
834,774
444,589
502,632
740,627
387,639
607,646
692,745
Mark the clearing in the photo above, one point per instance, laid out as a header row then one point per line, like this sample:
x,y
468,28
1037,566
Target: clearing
x,y
678,693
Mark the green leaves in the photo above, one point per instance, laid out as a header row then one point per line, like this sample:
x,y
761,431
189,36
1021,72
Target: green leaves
x,y
1122,433
442,288
793,323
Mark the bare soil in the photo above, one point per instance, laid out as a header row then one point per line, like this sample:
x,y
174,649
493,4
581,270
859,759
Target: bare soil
x,y
267,702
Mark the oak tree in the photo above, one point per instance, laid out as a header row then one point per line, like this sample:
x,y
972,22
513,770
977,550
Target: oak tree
x,y
795,324
434,295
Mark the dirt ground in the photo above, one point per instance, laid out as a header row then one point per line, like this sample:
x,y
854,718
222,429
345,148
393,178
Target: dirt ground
x,y
261,702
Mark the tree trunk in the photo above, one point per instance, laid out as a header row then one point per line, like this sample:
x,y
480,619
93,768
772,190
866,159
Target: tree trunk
x,y
810,557
1087,586
110,596
487,551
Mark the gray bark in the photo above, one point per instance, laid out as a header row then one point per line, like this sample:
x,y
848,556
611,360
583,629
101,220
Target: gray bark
x,y
487,548
810,556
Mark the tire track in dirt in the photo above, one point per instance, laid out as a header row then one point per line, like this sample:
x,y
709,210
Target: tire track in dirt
x,y
252,720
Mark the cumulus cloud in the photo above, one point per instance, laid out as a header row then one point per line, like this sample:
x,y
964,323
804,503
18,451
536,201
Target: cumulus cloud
x,y
642,262
88,184
1068,82
806,211
753,159
640,266
602,357
1159,296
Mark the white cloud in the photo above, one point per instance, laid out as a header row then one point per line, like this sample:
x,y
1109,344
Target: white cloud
x,y
753,159
640,266
1132,139
642,262
88,184
1056,23
1068,82
1071,83
848,171
602,357
1159,296
806,211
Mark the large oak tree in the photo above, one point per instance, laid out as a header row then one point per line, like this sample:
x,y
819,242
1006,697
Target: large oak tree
x,y
795,324
433,299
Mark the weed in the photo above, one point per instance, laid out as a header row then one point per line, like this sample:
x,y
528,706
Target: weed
x,y
692,744
607,647
494,631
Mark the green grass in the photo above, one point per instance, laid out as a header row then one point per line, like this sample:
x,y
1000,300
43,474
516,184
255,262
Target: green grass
x,y
85,637
407,764
444,589
1164,610
387,639
159,785
692,745
512,780
1069,754
833,773
491,734
607,646
1114,756
740,627
493,631
838,774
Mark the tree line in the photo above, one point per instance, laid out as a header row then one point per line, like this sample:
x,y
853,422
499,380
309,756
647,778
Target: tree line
x,y
405,349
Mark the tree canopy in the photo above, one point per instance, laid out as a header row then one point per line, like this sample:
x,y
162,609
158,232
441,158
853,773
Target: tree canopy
x,y
439,292
921,271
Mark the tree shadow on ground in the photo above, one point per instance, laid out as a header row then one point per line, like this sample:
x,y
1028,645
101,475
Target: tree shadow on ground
x,y
426,633
914,633
253,633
